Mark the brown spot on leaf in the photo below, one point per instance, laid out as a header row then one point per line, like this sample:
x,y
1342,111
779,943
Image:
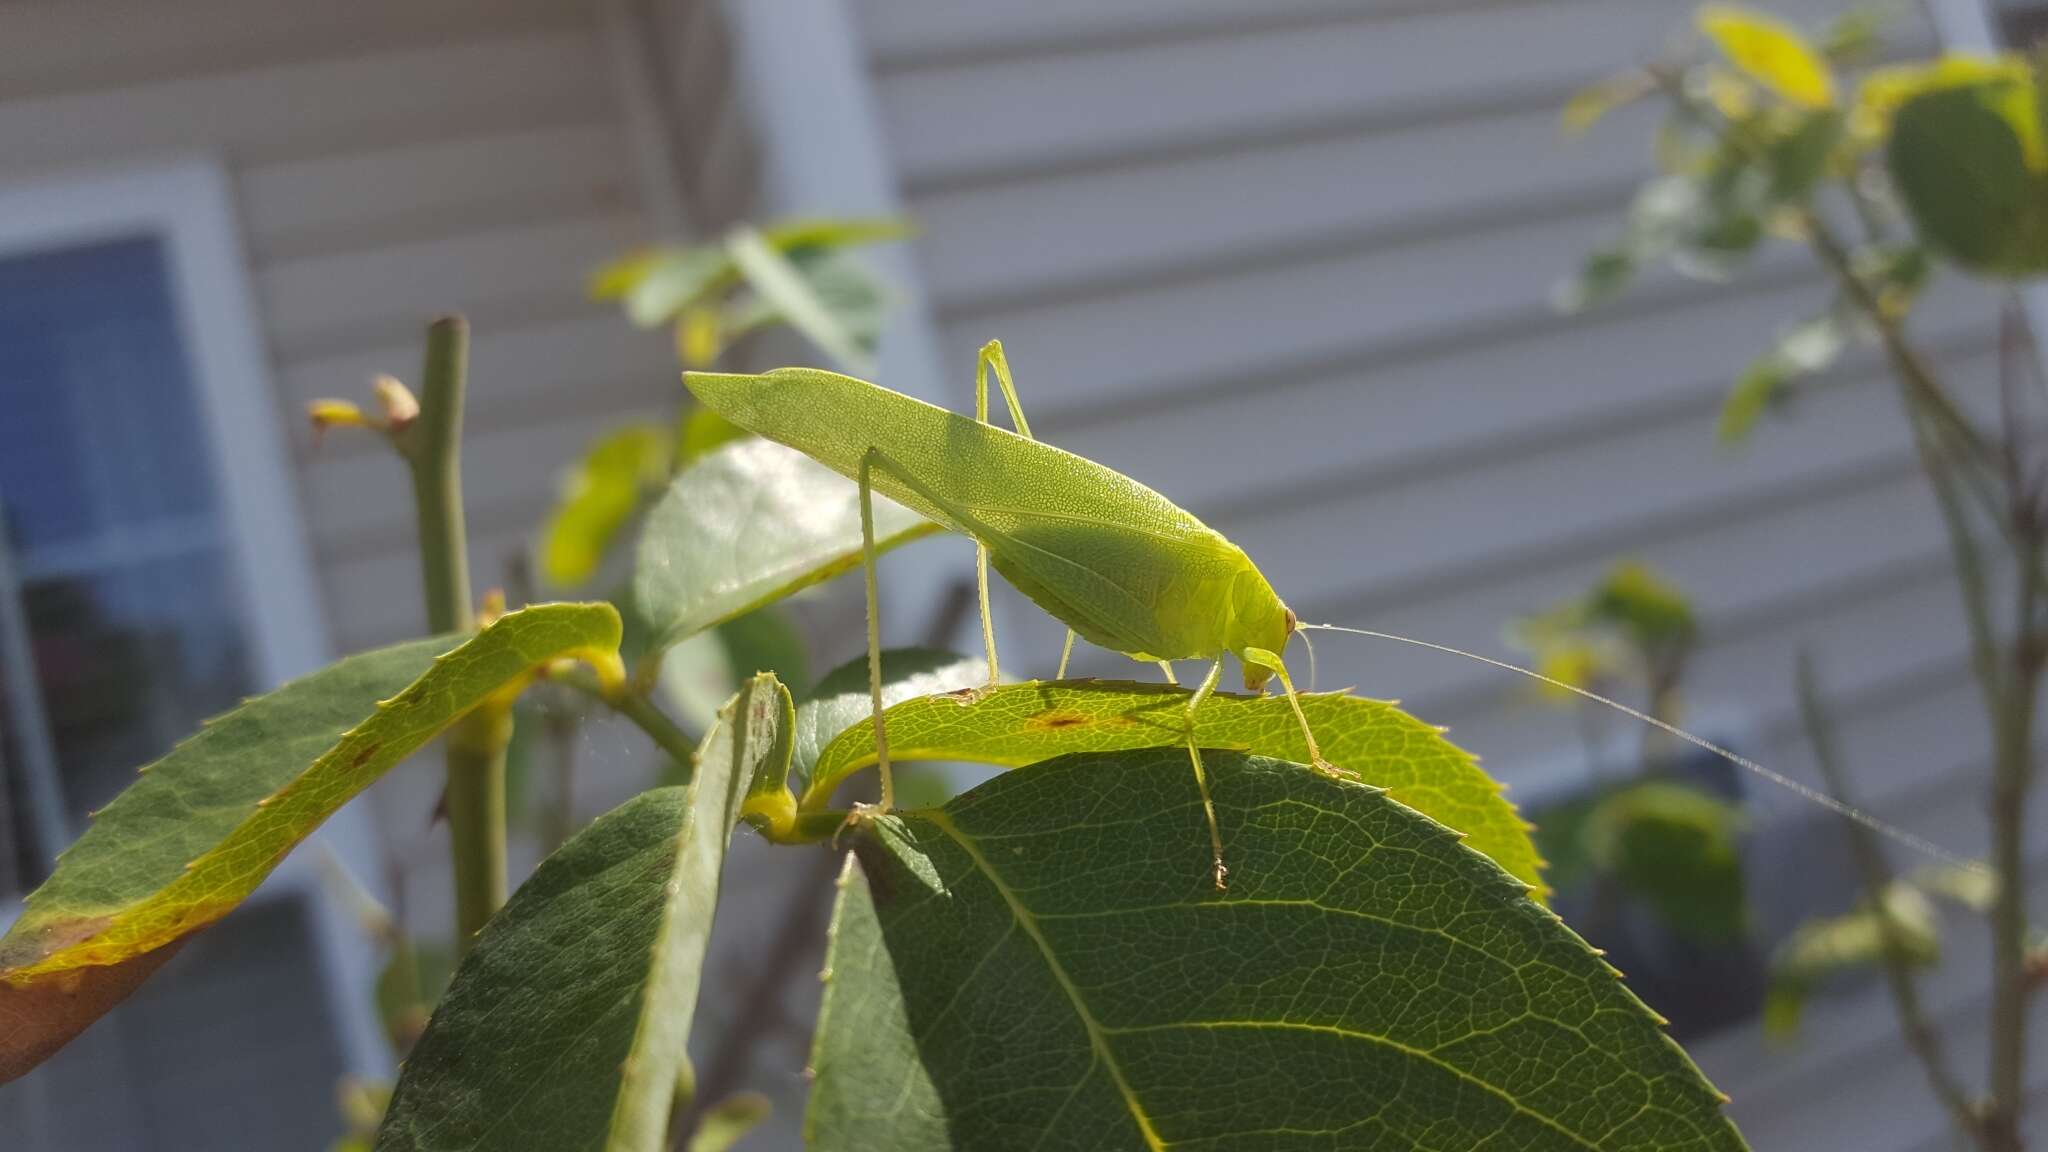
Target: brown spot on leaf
x,y
1055,721
363,757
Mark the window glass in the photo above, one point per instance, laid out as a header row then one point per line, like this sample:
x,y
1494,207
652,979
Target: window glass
x,y
116,548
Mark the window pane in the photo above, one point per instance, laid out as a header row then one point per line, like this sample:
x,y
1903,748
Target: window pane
x,y
122,578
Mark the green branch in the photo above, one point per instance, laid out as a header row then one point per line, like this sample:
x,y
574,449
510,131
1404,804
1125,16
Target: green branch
x,y
432,446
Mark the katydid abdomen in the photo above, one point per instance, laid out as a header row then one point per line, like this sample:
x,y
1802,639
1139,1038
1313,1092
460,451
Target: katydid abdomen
x,y
1122,565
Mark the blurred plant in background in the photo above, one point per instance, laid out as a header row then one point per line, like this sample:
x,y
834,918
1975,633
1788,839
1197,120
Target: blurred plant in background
x,y
1882,180
1647,860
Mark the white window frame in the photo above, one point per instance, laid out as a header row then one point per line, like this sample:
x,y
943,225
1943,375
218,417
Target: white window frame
x,y
188,204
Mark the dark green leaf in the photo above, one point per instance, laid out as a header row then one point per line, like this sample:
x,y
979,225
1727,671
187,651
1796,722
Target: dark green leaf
x,y
1679,850
746,525
1044,963
1960,165
567,1024
1799,158
1601,278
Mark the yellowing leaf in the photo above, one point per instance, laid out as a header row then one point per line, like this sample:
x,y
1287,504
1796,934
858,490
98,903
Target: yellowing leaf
x,y
1771,52
201,828
1589,104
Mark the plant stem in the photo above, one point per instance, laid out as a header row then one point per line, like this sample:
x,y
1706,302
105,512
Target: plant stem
x,y
432,445
475,797
2009,695
2011,778
1913,371
1921,1036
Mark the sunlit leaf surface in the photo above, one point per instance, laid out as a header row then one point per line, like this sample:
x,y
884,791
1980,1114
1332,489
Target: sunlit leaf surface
x,y
746,524
1021,724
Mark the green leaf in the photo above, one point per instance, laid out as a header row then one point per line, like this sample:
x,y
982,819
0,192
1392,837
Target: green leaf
x,y
746,525
1960,157
840,701
841,284
803,236
1856,34
1825,947
1974,888
413,977
1802,350
567,1024
202,827
598,496
1760,385
699,674
732,1119
783,285
660,285
1044,963
1798,158
1770,52
1589,105
1601,277
657,286
1679,850
701,431
1019,724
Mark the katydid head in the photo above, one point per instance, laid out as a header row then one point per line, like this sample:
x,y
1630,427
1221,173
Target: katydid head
x,y
1260,625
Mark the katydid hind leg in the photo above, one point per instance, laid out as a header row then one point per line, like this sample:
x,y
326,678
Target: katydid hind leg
x,y
1195,702
991,357
1066,655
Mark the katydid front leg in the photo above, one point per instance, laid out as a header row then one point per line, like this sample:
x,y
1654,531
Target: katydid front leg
x,y
1202,776
1272,663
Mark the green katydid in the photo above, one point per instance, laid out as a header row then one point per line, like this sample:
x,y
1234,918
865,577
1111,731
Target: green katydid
x,y
1122,566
